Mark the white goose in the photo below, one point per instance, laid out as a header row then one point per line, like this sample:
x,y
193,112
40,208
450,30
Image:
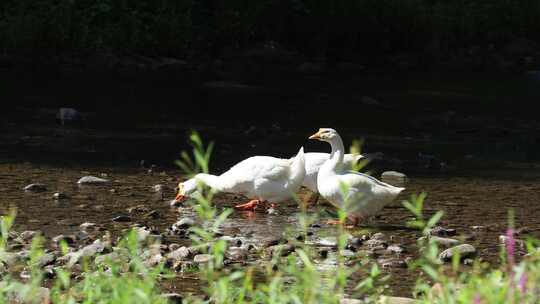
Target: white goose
x,y
366,195
261,178
314,161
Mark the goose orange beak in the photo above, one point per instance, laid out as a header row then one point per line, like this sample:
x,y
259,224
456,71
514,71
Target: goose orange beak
x,y
180,197
315,136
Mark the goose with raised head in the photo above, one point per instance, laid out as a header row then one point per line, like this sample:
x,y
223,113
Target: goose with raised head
x,y
366,195
260,178
314,161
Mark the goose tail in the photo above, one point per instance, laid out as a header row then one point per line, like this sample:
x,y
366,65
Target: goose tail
x,y
298,166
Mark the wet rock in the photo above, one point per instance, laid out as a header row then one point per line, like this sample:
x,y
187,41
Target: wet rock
x,y
117,256
478,227
27,236
445,242
202,258
159,188
271,211
36,187
121,218
69,239
177,256
45,259
522,230
355,242
375,243
282,249
66,116
59,196
441,231
468,261
326,242
237,254
154,260
154,214
88,251
173,298
184,223
396,300
274,242
379,236
394,178
464,250
138,209
392,263
503,240
10,258
89,227
92,180
396,249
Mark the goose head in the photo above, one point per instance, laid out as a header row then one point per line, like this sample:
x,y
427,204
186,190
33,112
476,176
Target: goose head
x,y
185,189
325,134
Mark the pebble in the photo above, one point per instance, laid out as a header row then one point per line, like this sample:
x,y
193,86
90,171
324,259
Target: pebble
x,y
59,196
154,214
274,242
89,227
375,243
173,298
392,263
283,249
379,236
395,249
271,211
138,209
202,258
441,231
27,236
179,254
45,259
36,187
503,239
327,242
184,223
121,218
465,251
394,178
445,242
92,180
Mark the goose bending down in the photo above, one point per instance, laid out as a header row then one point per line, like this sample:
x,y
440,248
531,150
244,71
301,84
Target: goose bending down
x,y
366,195
314,161
260,178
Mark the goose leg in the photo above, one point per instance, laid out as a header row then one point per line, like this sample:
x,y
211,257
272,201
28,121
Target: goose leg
x,y
249,206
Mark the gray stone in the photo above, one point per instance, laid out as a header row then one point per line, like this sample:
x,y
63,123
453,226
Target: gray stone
x,y
92,180
45,259
9,258
445,242
121,218
503,239
379,236
28,235
441,231
394,178
89,227
173,298
202,258
395,249
396,300
282,249
154,260
464,250
89,251
327,242
36,187
373,243
69,239
68,115
59,196
184,223
179,254
115,256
